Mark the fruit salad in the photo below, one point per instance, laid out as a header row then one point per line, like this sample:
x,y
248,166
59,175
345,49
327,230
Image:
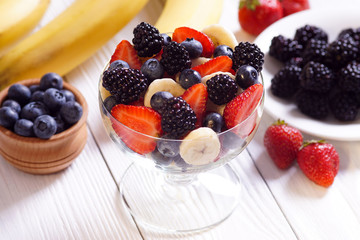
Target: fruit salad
x,y
181,98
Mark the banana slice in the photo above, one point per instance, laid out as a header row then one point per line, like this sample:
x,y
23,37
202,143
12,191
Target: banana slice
x,y
198,61
163,84
201,146
212,107
104,93
220,35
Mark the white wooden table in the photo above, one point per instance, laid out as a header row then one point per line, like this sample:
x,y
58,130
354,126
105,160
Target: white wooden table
x,y
83,201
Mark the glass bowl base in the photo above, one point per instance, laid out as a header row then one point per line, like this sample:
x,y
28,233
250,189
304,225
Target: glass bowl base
x,y
180,202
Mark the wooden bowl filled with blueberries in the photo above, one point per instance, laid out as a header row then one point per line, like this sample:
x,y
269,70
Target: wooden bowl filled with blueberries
x,y
42,124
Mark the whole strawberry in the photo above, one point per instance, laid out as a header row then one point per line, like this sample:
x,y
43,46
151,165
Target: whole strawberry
x,y
282,142
256,15
319,161
293,6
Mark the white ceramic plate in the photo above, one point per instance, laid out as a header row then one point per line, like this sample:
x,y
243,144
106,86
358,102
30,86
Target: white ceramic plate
x,y
332,21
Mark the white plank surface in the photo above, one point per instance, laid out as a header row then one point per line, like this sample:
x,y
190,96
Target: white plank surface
x,y
82,202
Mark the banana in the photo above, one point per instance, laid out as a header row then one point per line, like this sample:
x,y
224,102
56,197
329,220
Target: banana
x,y
17,19
68,40
163,84
220,35
201,146
191,13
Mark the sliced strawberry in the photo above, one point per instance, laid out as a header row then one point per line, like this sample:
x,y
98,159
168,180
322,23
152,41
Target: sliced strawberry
x,y
126,52
196,96
181,33
238,109
144,122
221,63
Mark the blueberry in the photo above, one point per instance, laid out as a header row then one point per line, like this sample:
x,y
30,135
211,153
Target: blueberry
x,y
160,159
71,112
24,127
181,163
44,126
60,124
37,96
109,103
189,77
69,96
119,63
193,47
223,50
168,147
13,104
8,117
19,93
32,110
214,121
51,80
246,76
34,88
167,38
158,99
152,69
54,99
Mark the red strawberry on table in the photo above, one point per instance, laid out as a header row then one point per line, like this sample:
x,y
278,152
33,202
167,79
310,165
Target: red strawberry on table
x,y
181,33
256,15
238,109
319,161
196,96
293,6
143,120
126,52
221,63
282,142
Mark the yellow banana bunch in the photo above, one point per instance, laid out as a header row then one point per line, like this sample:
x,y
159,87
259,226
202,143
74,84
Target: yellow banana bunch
x,y
17,19
191,13
85,26
68,40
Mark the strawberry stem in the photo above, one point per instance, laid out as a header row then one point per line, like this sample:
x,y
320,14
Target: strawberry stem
x,y
249,4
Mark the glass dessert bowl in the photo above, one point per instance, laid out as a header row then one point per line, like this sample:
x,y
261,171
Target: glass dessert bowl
x,y
180,179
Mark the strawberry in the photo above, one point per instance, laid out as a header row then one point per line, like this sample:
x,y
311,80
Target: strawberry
x,y
282,143
221,63
319,161
142,120
239,108
196,96
256,15
293,6
181,33
126,52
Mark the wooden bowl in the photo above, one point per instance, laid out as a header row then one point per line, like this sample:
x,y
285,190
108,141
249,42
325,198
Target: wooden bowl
x,y
44,156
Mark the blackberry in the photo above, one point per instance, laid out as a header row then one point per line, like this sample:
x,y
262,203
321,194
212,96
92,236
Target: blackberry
x,y
347,33
283,49
307,32
221,88
177,117
340,52
125,84
317,77
175,58
246,53
344,106
312,104
315,51
349,77
286,82
296,61
147,40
